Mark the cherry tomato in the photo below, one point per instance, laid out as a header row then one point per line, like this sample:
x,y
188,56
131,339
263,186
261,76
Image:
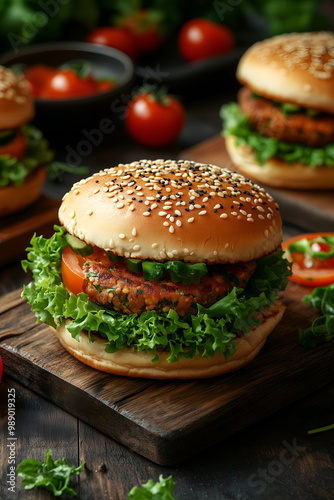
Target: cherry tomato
x,y
15,148
1,368
144,27
118,38
307,269
71,270
65,83
105,85
154,120
201,39
37,76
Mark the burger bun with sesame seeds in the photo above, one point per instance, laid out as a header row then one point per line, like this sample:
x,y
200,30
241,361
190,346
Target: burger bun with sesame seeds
x,y
288,97
174,217
24,184
16,102
173,210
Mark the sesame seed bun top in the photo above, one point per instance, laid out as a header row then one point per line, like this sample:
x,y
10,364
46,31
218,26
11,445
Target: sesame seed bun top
x,y
173,210
294,67
16,102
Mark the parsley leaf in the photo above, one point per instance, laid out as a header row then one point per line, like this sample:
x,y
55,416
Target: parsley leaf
x,y
322,328
52,475
160,490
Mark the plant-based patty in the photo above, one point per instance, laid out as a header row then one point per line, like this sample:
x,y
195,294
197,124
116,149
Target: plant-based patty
x,y
267,118
115,287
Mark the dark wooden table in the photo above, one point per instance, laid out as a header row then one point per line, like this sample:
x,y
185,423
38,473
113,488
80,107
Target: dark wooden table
x,y
274,459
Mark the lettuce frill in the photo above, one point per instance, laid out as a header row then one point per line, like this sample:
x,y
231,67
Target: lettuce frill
x,y
212,330
236,123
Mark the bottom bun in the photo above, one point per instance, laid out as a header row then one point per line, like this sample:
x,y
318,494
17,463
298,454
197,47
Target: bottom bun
x,y
276,172
16,198
132,363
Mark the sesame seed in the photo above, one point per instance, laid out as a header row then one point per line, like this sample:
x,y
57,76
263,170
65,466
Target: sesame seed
x,y
89,212
134,232
171,229
162,214
120,205
121,236
136,248
178,223
154,245
223,216
146,214
202,212
191,219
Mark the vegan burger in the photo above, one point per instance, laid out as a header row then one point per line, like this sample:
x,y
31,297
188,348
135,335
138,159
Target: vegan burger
x,y
161,269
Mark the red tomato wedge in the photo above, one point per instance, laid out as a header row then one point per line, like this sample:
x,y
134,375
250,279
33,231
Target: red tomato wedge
x,y
315,272
71,270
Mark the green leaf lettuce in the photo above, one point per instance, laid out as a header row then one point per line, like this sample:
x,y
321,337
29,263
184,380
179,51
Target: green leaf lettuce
x,y
212,330
13,171
236,123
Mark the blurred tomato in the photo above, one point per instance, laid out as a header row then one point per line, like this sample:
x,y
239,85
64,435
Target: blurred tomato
x,y
37,76
154,119
201,39
65,83
118,38
15,147
144,26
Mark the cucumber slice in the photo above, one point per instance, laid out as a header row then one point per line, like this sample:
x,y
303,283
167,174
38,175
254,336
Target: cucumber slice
x,y
78,246
113,257
7,136
134,265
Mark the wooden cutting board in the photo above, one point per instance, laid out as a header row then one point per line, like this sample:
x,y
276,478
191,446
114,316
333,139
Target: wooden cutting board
x,y
166,421
16,230
309,210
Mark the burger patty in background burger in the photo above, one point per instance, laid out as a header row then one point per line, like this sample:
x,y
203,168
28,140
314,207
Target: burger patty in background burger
x,y
281,132
23,151
269,118
161,269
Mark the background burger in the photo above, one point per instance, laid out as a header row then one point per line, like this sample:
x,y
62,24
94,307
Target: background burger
x,y
23,150
161,269
281,132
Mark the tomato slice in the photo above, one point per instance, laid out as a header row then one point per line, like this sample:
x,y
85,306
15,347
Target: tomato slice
x,y
71,270
317,273
15,148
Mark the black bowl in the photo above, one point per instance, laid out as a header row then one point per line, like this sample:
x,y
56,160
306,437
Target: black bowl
x,y
79,112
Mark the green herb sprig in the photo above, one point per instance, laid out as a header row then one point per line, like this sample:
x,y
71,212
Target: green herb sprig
x,y
52,475
160,490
